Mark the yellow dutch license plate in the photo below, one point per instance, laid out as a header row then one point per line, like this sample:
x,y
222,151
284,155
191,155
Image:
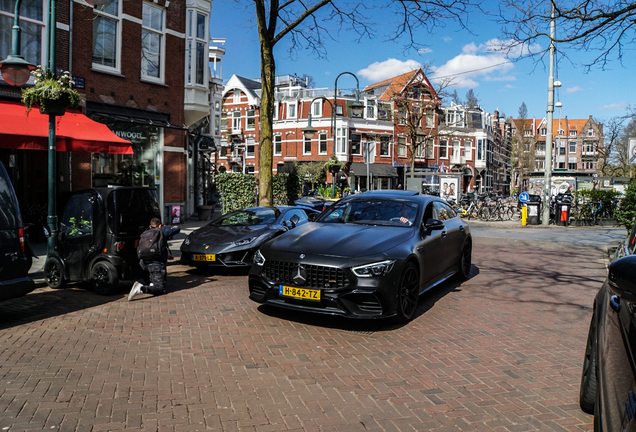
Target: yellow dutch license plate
x,y
301,293
201,257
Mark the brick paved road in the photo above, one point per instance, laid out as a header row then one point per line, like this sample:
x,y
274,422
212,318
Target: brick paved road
x,y
500,352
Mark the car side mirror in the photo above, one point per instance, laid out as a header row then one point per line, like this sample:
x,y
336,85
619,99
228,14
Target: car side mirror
x,y
433,224
622,277
140,230
294,220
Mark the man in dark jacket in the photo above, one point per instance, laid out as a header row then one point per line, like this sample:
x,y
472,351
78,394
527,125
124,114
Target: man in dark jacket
x,y
155,268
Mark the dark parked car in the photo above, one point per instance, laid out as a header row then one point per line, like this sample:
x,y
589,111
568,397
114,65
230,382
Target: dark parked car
x,y
368,256
232,239
313,203
15,255
608,383
99,234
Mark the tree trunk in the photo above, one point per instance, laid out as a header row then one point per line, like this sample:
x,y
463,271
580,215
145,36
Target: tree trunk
x,y
266,113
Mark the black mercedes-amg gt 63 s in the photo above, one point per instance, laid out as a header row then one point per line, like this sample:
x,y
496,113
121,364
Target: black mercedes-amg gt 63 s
x,y
367,256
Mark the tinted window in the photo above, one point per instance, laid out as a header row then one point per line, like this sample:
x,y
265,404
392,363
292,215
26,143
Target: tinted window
x,y
444,211
129,209
249,217
77,220
371,212
8,209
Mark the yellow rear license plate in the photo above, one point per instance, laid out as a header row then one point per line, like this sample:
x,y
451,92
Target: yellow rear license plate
x,y
301,293
200,257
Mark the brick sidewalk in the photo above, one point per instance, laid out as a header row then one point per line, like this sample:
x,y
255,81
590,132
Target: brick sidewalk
x,y
499,352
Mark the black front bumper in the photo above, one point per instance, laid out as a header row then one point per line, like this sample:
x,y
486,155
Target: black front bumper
x,y
350,302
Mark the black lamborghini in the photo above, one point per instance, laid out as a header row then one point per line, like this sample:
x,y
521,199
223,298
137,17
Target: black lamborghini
x,y
368,256
232,239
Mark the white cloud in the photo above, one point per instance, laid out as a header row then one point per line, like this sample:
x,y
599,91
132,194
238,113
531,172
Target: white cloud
x,y
424,50
447,38
379,71
574,89
615,106
475,62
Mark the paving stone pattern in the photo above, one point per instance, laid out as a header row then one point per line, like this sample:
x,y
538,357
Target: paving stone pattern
x,y
500,352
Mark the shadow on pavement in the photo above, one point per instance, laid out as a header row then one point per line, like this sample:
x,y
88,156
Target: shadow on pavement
x,y
426,302
46,303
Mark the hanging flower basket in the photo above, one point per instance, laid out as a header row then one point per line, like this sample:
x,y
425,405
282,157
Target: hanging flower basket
x,y
54,106
50,94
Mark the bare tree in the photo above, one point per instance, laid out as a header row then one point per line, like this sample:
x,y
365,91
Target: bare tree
x,y
455,97
596,26
471,99
612,157
305,25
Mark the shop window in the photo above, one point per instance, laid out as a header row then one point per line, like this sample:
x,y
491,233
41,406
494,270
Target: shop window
x,y
107,36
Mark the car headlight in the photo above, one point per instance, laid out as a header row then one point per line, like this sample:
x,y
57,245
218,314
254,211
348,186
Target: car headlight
x,y
244,241
258,259
381,268
187,241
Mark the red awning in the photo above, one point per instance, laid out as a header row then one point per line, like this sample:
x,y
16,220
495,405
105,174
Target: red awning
x,y
74,132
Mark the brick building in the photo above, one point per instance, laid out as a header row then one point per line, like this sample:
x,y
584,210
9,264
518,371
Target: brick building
x,y
397,112
577,146
141,68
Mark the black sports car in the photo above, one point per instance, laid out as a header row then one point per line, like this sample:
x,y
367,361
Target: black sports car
x,y
232,239
608,380
368,256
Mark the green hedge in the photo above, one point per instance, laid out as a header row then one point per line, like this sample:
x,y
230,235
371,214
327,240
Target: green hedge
x,y
238,191
627,210
286,188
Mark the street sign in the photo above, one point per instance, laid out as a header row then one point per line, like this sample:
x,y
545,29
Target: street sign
x,y
632,152
524,197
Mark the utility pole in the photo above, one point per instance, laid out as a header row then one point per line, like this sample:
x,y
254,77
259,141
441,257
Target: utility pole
x,y
547,183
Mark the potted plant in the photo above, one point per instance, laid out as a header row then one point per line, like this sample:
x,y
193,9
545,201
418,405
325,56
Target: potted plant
x,y
333,165
50,94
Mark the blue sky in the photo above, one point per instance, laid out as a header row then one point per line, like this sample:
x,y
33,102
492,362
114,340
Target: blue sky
x,y
497,82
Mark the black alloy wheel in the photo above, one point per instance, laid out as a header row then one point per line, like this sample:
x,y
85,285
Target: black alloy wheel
x,y
54,273
465,261
587,395
408,293
104,278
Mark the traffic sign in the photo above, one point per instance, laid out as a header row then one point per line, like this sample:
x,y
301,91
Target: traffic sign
x,y
524,197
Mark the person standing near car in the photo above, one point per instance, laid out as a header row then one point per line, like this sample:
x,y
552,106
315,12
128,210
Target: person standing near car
x,y
153,255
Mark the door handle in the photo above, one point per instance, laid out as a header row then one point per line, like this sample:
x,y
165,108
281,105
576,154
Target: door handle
x,y
420,248
461,228
444,234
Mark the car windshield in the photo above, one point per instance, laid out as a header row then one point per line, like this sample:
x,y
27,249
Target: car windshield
x,y
248,217
372,212
129,209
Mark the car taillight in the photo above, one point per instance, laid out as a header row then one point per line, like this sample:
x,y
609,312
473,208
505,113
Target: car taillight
x,y
21,236
119,246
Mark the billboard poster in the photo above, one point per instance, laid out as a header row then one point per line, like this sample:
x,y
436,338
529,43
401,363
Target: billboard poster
x,y
448,188
559,185
176,214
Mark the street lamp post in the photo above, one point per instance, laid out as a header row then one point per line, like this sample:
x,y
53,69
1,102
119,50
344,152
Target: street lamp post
x,y
547,186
